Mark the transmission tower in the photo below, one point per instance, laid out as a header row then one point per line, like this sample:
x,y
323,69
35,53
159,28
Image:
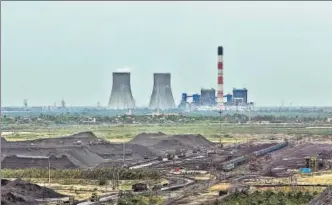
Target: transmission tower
x,y
63,103
25,103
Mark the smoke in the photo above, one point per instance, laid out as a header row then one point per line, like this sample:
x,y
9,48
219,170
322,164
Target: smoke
x,y
124,69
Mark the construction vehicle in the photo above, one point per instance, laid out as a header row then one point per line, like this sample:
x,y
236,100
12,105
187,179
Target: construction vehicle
x,y
94,197
170,156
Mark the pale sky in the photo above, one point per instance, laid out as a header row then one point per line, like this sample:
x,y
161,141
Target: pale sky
x,y
279,51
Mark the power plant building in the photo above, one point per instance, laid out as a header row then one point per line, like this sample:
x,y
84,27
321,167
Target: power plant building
x,y
208,97
240,96
121,96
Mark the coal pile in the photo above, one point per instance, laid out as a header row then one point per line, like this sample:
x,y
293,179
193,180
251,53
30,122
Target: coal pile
x,y
114,151
148,139
83,138
325,198
158,142
23,162
20,192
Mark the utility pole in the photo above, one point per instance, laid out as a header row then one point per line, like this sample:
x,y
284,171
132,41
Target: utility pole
x,y
220,113
123,143
25,103
249,114
49,173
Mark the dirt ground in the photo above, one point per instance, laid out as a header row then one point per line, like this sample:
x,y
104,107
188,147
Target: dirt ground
x,y
292,157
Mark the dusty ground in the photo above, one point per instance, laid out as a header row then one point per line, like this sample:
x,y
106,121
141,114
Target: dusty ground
x,y
292,157
325,198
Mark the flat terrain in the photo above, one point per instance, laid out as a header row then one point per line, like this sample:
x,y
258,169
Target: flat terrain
x,y
212,131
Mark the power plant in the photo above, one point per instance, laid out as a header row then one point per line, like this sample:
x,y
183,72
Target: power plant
x,y
162,97
121,96
208,98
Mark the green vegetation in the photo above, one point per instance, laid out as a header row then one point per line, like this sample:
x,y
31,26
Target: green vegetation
x,y
211,130
268,198
95,174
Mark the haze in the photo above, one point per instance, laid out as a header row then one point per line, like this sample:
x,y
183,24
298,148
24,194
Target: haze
x,y
279,51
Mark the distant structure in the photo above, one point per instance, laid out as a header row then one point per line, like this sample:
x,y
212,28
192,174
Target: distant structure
x,y
121,96
240,96
63,103
162,97
220,96
208,97
25,103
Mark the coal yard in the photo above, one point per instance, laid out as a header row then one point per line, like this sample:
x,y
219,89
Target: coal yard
x,y
172,155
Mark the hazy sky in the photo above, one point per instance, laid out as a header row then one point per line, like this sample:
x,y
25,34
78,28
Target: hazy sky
x,y
277,50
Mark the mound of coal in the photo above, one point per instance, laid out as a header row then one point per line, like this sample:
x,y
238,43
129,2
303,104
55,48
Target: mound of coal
x,y
9,198
23,162
22,187
83,137
4,182
325,198
84,158
148,139
170,143
68,157
20,192
159,141
194,140
109,151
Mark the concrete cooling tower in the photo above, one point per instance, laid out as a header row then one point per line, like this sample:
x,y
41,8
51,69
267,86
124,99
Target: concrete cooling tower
x,y
162,97
121,97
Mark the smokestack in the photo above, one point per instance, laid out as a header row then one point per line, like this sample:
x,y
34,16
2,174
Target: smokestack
x,y
121,97
162,97
220,95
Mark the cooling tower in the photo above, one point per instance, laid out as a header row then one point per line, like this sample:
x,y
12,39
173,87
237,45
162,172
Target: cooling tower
x,y
121,97
162,97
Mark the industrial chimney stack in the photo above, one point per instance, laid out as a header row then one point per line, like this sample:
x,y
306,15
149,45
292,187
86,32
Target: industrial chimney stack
x,y
220,95
121,96
162,97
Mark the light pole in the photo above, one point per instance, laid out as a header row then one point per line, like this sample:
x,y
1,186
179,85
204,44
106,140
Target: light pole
x,y
124,144
49,172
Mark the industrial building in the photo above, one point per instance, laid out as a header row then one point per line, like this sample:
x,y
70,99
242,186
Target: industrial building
x,y
239,97
208,97
162,97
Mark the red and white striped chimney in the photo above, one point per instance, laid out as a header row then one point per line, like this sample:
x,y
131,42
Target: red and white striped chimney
x,y
220,96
